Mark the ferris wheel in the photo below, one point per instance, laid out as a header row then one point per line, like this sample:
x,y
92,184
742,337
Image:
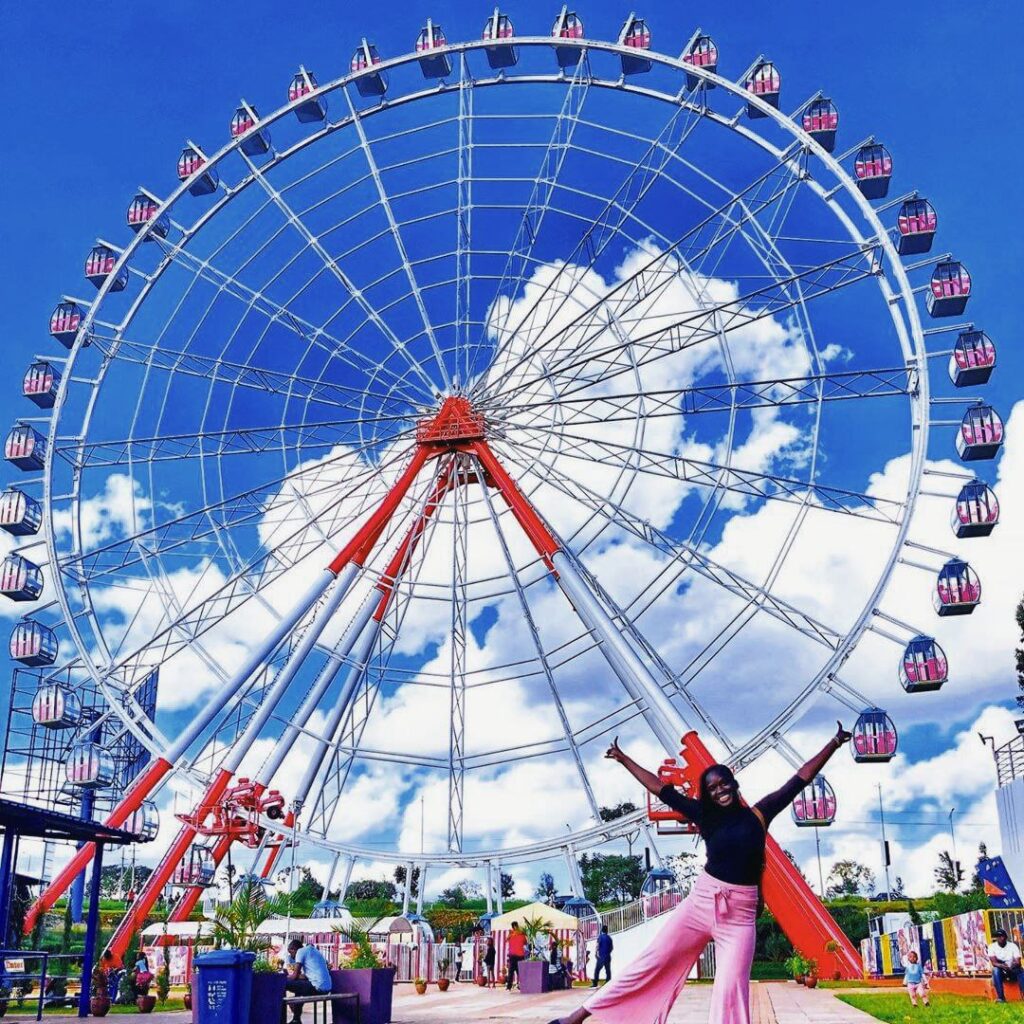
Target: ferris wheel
x,y
403,442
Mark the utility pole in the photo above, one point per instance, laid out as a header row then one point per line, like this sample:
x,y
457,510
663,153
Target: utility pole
x,y
821,877
956,859
885,845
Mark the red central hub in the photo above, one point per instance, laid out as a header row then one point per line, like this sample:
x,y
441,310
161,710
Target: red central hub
x,y
456,423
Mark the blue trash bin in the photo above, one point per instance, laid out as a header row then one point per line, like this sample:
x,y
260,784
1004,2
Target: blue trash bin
x,y
224,978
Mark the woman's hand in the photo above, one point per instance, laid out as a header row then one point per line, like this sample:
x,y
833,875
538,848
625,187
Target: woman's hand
x,y
615,752
842,736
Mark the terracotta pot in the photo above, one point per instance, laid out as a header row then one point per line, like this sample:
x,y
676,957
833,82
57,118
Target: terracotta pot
x,y
421,987
811,980
99,1006
146,1004
443,983
798,978
187,998
482,981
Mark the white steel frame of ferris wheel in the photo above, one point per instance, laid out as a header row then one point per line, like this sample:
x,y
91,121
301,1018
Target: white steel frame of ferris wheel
x,y
918,393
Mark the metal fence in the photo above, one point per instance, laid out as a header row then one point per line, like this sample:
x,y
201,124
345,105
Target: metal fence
x,y
1010,761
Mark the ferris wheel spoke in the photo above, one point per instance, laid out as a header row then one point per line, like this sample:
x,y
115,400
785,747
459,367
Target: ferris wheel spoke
x,y
351,291
464,223
835,386
716,475
396,235
520,255
275,312
253,576
692,558
542,658
629,287
246,375
200,527
701,325
297,437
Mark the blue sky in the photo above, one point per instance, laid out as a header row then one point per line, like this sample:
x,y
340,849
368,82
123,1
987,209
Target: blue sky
x,y
111,92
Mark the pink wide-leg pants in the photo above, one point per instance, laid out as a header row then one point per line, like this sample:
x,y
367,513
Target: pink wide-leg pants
x,y
645,991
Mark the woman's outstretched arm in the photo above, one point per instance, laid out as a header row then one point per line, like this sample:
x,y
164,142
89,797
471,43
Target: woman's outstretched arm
x,y
811,768
647,779
771,804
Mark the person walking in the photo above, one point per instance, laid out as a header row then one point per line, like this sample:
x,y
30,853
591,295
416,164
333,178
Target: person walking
x,y
516,954
721,906
604,955
1005,960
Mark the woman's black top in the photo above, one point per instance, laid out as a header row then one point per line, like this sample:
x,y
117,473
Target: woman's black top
x,y
733,835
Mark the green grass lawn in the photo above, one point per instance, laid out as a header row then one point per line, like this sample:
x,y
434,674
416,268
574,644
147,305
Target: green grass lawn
x,y
945,1009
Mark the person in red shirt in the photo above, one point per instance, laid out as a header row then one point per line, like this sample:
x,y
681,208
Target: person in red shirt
x,y
516,953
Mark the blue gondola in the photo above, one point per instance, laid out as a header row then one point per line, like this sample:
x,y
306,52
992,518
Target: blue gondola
x,y
195,869
765,83
329,910
65,321
431,39
245,126
25,447
980,435
144,822
20,515
33,644
821,121
815,805
99,265
976,512
304,84
637,36
916,223
924,666
20,579
499,26
950,289
874,737
89,766
972,360
872,167
56,707
192,163
568,25
366,56
142,213
702,54
41,383
957,589
658,881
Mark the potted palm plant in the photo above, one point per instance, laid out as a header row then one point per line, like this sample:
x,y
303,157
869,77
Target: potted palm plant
x,y
366,975
421,985
833,947
143,1000
236,926
811,974
444,981
533,972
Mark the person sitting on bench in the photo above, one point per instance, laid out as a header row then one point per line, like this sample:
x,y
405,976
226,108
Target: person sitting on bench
x,y
308,973
1005,959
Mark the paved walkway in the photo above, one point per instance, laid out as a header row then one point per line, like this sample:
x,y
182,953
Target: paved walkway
x,y
774,1003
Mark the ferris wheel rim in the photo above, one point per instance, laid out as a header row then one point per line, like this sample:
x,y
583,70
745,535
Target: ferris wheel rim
x,y
881,236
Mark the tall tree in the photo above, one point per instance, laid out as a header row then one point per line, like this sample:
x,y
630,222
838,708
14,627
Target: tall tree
x,y
618,811
611,877
371,889
849,878
545,887
684,867
1020,654
399,877
947,875
508,886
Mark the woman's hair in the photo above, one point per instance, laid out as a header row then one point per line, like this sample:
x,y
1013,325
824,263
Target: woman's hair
x,y
721,769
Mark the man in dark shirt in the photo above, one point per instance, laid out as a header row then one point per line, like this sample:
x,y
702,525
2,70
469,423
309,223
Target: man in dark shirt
x,y
604,955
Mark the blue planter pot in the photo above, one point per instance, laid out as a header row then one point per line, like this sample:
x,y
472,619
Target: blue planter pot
x,y
374,986
268,992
